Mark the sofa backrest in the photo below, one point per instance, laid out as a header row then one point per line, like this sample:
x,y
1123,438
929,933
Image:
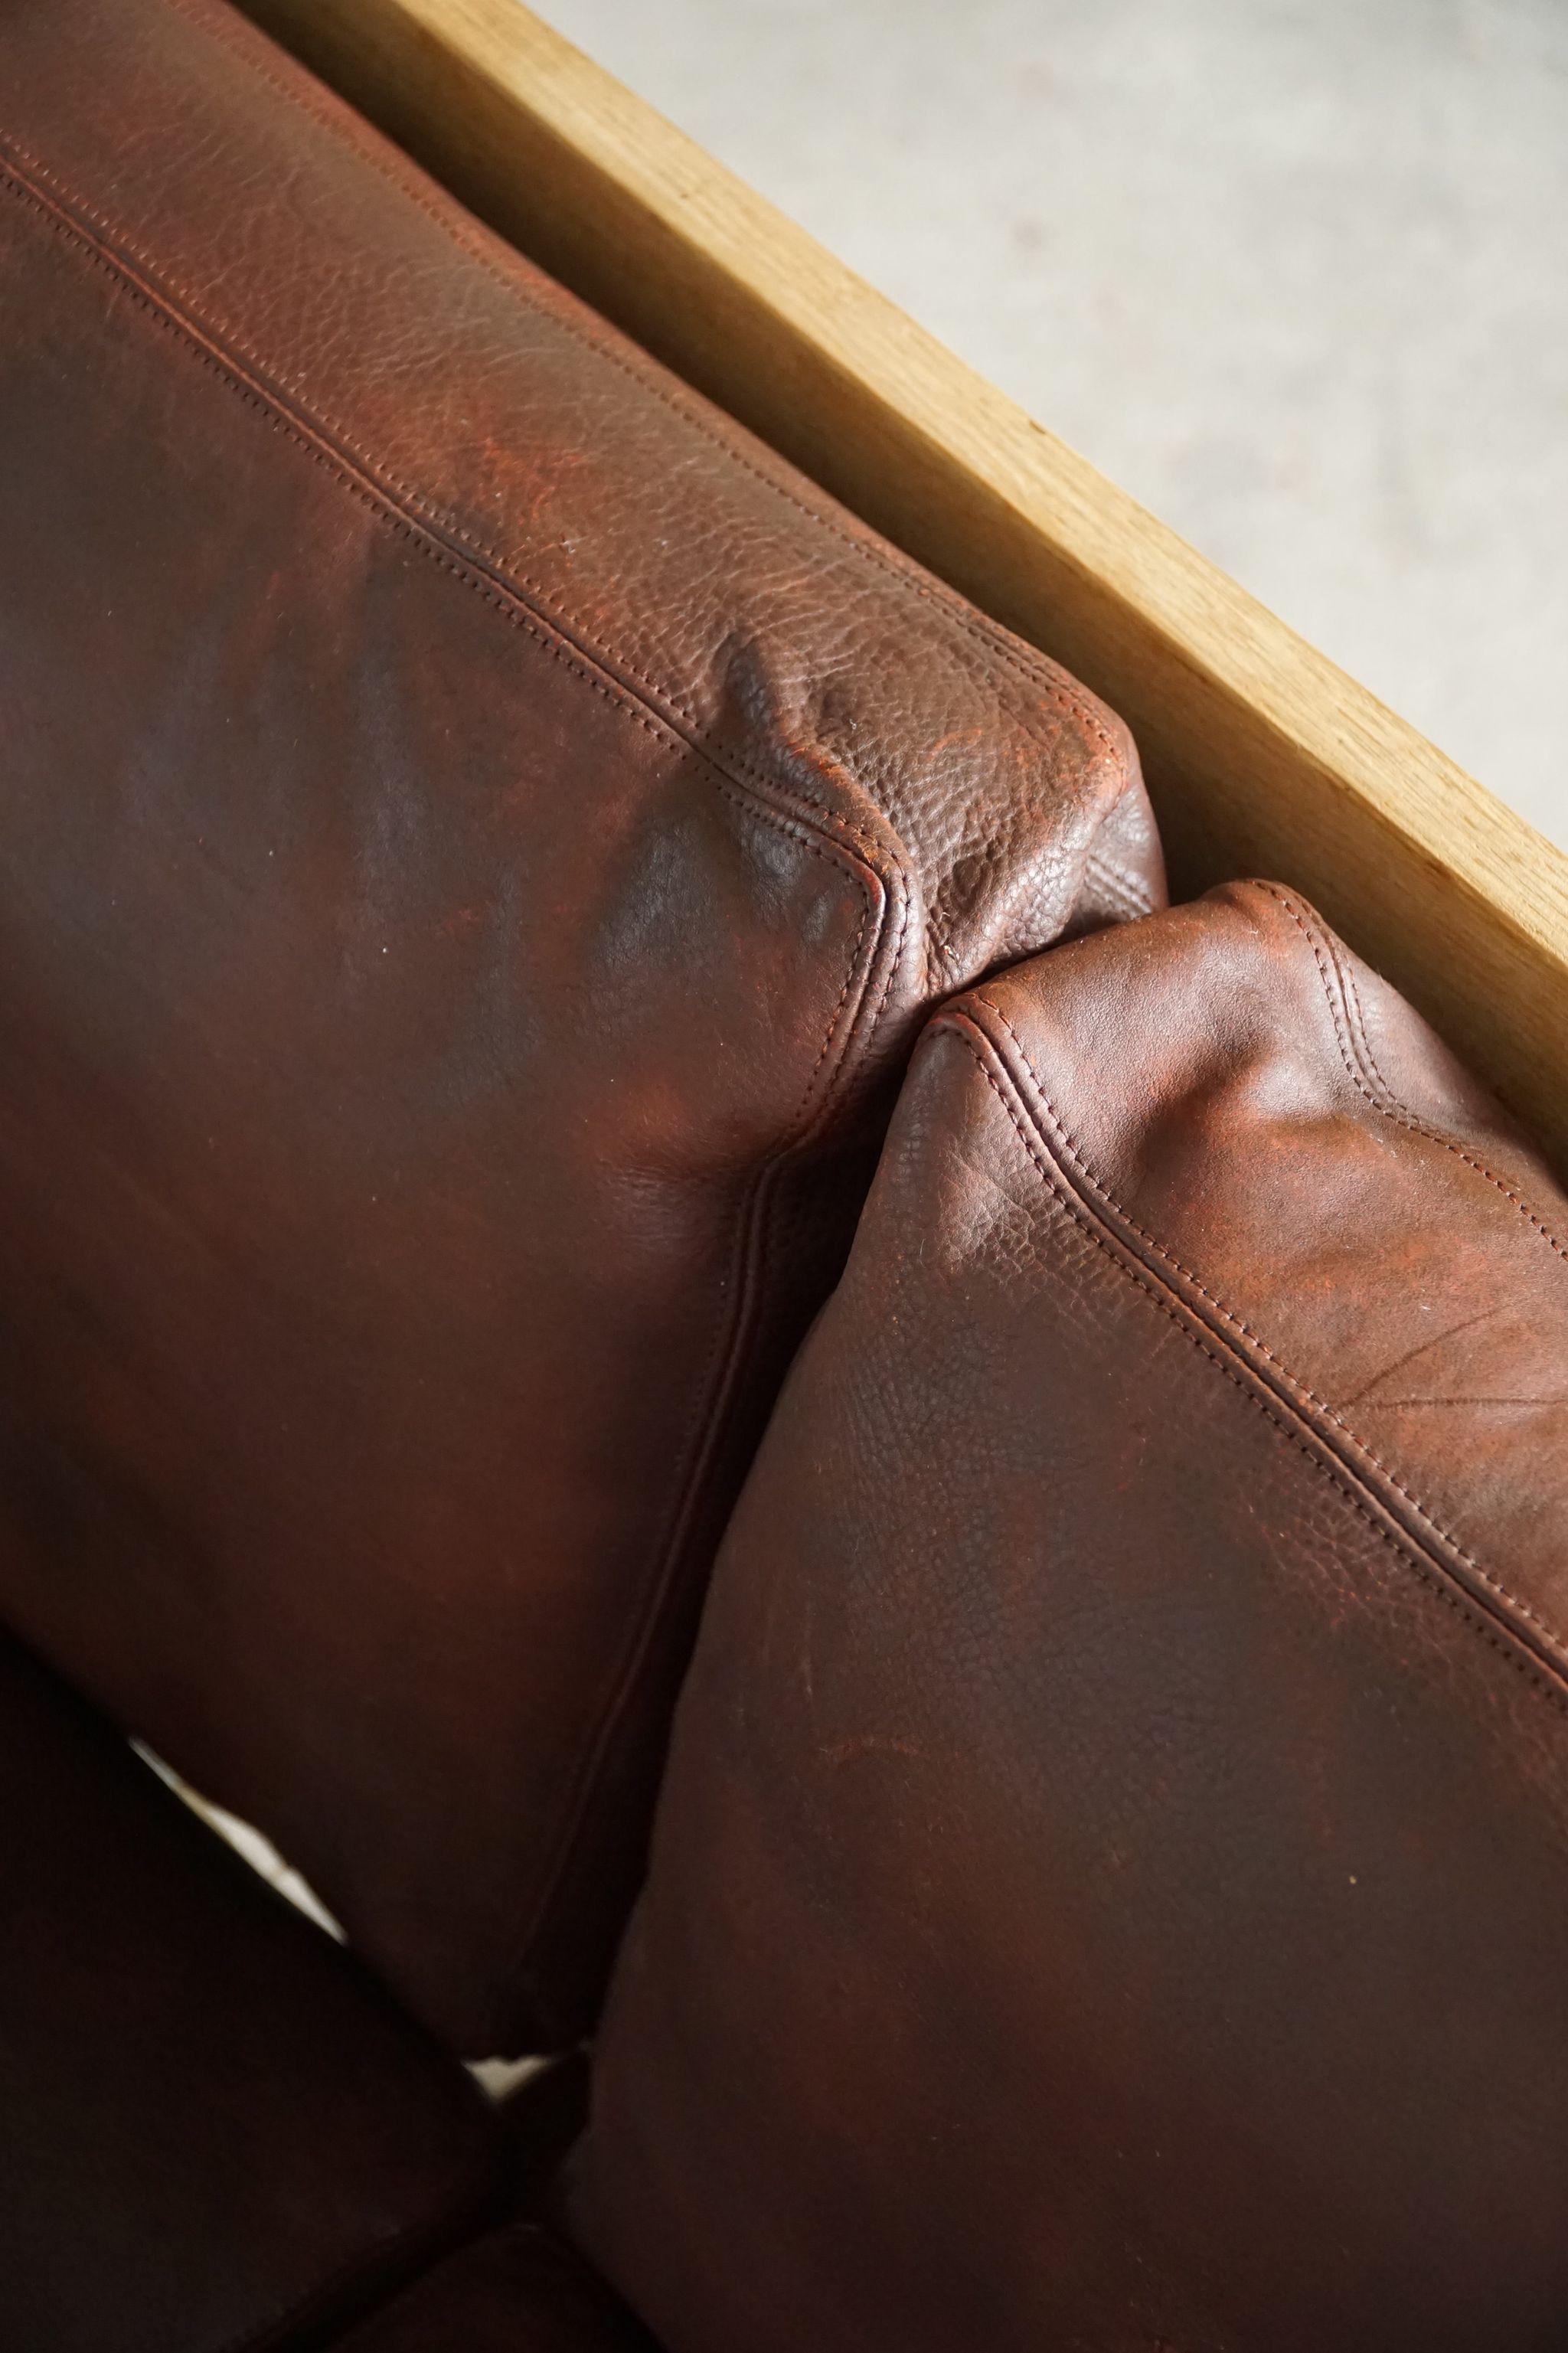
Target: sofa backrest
x,y
481,835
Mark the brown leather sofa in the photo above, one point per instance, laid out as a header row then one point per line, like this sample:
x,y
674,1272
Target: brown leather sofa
x,y
484,841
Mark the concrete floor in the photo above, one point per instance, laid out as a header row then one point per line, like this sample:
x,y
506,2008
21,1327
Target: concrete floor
x,y
1295,272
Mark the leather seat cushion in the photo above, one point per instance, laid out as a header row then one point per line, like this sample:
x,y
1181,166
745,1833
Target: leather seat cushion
x,y
215,2130
480,836
1111,1884
518,2291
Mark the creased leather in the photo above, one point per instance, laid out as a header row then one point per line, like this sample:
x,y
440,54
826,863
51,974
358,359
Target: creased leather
x,y
1110,1887
481,837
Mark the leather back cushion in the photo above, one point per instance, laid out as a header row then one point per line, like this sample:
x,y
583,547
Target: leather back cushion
x,y
1112,1883
479,833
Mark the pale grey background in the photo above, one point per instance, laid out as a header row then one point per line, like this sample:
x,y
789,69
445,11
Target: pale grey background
x,y
1295,272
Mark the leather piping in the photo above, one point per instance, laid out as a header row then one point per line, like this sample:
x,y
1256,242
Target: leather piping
x,y
1295,1410
1288,1382
705,1435
1369,1081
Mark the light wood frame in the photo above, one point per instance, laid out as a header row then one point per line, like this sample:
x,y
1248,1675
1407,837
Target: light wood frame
x,y
1262,756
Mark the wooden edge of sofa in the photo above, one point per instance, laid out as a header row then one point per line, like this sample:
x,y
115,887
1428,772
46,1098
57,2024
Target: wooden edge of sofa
x,y
1262,756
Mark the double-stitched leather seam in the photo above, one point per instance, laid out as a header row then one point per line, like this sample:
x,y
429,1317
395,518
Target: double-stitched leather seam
x,y
524,1983
1299,1390
232,354
702,1435
746,792
1025,661
1381,1097
1298,1429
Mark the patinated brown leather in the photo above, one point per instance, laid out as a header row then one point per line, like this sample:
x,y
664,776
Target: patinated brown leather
x,y
480,836
216,2131
518,2291
1110,1887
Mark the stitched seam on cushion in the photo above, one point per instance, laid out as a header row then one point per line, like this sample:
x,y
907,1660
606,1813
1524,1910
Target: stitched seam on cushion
x,y
1025,661
163,295
527,1969
1351,990
520,1961
702,1433
747,792
871,920
1430,1571
1388,1104
1300,1388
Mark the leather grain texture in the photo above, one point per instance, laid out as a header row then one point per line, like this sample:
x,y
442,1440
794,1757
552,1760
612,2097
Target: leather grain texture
x,y
1110,1889
217,2135
481,837
518,2291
